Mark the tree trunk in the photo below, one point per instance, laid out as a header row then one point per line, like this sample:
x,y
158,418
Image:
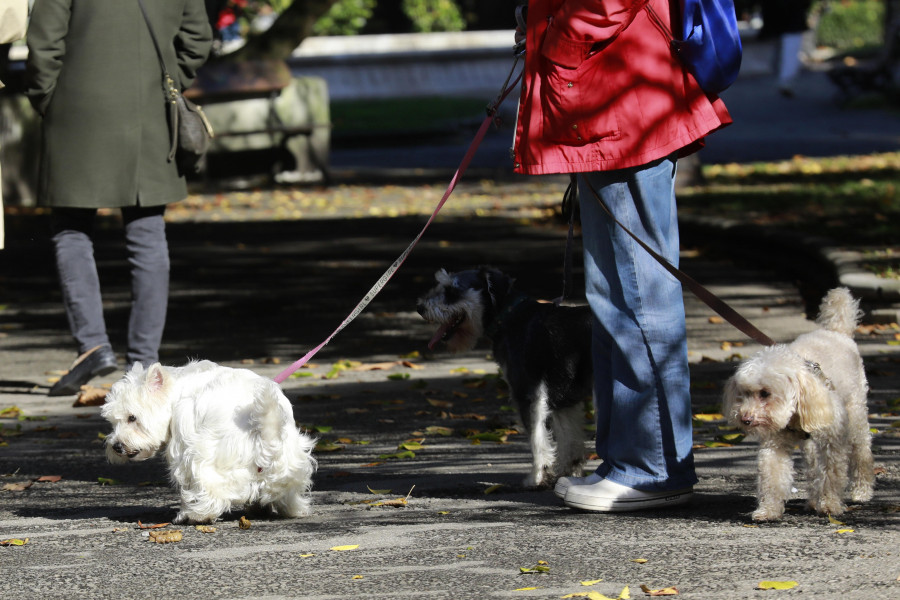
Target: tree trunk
x,y
290,28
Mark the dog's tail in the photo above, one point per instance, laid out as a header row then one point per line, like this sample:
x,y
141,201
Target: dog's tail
x,y
839,312
272,421
271,412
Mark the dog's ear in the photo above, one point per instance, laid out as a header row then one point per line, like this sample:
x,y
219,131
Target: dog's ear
x,y
443,277
729,398
497,283
814,408
156,379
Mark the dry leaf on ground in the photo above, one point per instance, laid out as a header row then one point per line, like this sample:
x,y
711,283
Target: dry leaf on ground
x,y
777,585
90,396
205,528
156,526
17,487
669,591
165,537
14,542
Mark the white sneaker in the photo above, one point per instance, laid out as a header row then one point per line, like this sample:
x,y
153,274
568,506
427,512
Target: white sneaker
x,y
609,496
564,483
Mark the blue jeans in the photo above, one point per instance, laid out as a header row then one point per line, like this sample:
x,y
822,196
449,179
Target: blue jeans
x,y
148,257
642,380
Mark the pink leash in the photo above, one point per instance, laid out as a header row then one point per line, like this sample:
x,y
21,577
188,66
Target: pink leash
x,y
395,266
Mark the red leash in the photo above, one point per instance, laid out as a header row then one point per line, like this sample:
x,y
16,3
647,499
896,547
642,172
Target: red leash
x,y
395,266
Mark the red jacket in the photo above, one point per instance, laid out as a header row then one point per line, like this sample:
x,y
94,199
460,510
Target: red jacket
x,y
602,90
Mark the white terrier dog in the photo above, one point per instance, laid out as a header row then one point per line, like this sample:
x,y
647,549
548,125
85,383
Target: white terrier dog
x,y
811,391
229,437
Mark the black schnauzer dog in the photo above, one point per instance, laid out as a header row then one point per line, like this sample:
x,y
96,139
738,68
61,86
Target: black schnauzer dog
x,y
544,353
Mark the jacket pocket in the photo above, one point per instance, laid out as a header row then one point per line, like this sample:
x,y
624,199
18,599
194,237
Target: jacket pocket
x,y
575,108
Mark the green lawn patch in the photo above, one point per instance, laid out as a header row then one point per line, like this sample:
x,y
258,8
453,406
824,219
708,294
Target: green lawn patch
x,y
853,200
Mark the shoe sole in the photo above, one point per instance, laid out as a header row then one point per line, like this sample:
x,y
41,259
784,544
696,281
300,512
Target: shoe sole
x,y
626,505
561,493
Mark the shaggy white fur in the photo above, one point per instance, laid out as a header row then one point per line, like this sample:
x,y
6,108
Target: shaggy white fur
x,y
229,437
812,391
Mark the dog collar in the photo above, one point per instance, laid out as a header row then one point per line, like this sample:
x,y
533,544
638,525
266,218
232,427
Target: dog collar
x,y
817,371
500,320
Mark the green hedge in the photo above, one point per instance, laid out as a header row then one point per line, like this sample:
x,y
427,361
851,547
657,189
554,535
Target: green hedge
x,y
850,25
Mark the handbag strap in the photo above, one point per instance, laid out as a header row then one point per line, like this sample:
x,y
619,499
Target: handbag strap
x,y
170,92
162,63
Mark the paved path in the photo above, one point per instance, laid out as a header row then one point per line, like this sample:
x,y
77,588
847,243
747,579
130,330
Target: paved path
x,y
245,294
253,292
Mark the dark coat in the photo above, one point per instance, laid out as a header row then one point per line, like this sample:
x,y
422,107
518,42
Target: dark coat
x,y
94,76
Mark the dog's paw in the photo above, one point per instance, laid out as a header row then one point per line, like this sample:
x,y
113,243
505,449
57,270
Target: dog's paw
x,y
862,492
767,513
828,506
536,480
189,518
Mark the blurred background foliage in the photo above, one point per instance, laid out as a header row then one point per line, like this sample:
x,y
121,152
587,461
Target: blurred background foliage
x,y
844,25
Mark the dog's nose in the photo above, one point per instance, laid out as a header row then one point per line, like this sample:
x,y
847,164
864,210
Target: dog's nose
x,y
118,448
748,421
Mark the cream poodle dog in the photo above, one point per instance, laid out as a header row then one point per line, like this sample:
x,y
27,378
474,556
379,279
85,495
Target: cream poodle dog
x,y
813,392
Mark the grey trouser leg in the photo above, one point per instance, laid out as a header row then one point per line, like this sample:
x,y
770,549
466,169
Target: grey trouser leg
x,y
148,255
72,230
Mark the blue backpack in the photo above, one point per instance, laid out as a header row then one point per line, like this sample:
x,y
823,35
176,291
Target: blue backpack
x,y
710,44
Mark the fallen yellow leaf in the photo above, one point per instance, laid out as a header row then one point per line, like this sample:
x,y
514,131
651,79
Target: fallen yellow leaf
x,y
844,531
709,417
777,585
438,430
307,555
347,547
591,581
639,561
493,488
542,566
834,521
378,491
669,591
